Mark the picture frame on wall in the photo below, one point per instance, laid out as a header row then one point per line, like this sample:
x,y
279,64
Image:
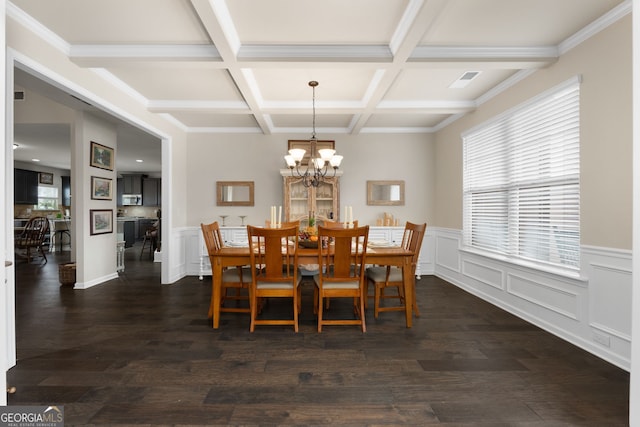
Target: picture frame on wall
x,y
45,178
101,156
101,221
101,188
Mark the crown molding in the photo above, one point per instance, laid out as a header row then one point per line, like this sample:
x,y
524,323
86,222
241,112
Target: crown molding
x,y
37,28
613,16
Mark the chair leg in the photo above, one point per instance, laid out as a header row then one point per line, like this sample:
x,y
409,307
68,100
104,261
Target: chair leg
x,y
43,255
415,300
319,311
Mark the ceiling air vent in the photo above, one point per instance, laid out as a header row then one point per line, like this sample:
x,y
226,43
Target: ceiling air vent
x,y
464,79
18,95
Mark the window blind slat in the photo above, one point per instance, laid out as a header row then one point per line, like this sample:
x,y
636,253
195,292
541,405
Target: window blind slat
x,y
521,181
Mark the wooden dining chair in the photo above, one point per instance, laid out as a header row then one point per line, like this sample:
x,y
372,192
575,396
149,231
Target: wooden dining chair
x,y
274,272
235,278
387,277
33,238
287,224
341,272
311,270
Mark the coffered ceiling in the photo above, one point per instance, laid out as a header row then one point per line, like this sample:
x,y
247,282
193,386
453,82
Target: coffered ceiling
x,y
384,66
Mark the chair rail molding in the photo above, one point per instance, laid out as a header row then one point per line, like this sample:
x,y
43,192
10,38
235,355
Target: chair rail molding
x,y
591,310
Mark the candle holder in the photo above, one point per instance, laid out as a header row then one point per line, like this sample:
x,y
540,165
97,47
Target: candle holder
x,y
224,217
242,217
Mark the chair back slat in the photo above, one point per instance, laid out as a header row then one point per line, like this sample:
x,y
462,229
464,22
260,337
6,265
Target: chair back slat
x,y
212,237
273,250
346,259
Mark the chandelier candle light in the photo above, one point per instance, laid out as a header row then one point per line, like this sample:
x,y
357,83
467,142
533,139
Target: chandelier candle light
x,y
317,167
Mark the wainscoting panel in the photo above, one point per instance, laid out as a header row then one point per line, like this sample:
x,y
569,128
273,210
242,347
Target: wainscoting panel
x,y
592,311
483,274
447,254
178,264
611,286
548,296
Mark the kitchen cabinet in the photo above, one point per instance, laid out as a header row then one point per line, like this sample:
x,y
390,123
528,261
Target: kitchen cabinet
x,y
25,190
151,192
132,184
66,191
119,191
129,230
324,200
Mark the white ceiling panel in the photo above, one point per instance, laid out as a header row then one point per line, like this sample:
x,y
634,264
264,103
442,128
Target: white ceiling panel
x,y
218,66
513,22
433,84
316,22
290,85
118,21
305,122
404,121
203,120
179,83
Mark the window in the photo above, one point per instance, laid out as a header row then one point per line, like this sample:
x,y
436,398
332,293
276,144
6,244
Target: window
x,y
47,198
521,181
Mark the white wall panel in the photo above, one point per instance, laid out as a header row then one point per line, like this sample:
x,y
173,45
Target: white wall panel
x,y
549,296
591,310
483,274
447,254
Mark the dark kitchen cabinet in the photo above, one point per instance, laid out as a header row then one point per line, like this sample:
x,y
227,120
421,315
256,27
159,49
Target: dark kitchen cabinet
x,y
151,192
132,184
129,230
25,190
66,191
119,190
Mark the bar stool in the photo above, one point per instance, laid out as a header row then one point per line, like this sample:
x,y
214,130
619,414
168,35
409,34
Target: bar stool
x,y
151,237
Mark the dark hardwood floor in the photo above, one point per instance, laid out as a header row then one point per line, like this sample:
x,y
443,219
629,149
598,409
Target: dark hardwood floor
x,y
134,352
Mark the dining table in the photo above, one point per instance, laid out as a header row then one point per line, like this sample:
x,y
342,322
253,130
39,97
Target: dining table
x,y
231,256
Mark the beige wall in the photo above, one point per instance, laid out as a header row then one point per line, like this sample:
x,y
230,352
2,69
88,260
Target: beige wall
x,y
604,61
259,158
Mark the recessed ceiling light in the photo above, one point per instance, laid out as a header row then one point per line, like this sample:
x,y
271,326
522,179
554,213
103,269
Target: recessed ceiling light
x,y
464,79
35,160
139,161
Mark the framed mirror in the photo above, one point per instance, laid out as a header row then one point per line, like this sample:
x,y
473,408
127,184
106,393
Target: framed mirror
x,y
234,193
385,193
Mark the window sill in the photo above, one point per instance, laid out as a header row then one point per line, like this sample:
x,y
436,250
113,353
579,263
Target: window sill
x,y
573,275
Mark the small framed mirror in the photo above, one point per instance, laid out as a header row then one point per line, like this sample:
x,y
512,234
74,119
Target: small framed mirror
x,y
385,193
235,193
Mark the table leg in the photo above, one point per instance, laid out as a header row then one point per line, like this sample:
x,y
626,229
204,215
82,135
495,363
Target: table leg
x,y
216,282
408,290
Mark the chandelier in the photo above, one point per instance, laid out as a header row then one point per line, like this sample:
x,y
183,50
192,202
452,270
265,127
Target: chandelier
x,y
319,160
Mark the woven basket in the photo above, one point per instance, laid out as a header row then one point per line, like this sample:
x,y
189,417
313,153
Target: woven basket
x,y
67,273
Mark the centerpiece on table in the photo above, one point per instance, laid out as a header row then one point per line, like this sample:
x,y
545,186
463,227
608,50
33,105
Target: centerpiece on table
x,y
308,237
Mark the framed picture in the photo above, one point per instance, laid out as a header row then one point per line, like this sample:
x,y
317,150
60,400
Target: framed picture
x,y
101,156
101,221
101,188
305,144
45,178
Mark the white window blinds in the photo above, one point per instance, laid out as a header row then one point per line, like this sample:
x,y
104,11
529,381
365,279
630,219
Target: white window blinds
x,y
521,180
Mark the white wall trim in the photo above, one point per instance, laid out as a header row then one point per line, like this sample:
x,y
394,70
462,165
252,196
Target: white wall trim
x,y
96,281
591,311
